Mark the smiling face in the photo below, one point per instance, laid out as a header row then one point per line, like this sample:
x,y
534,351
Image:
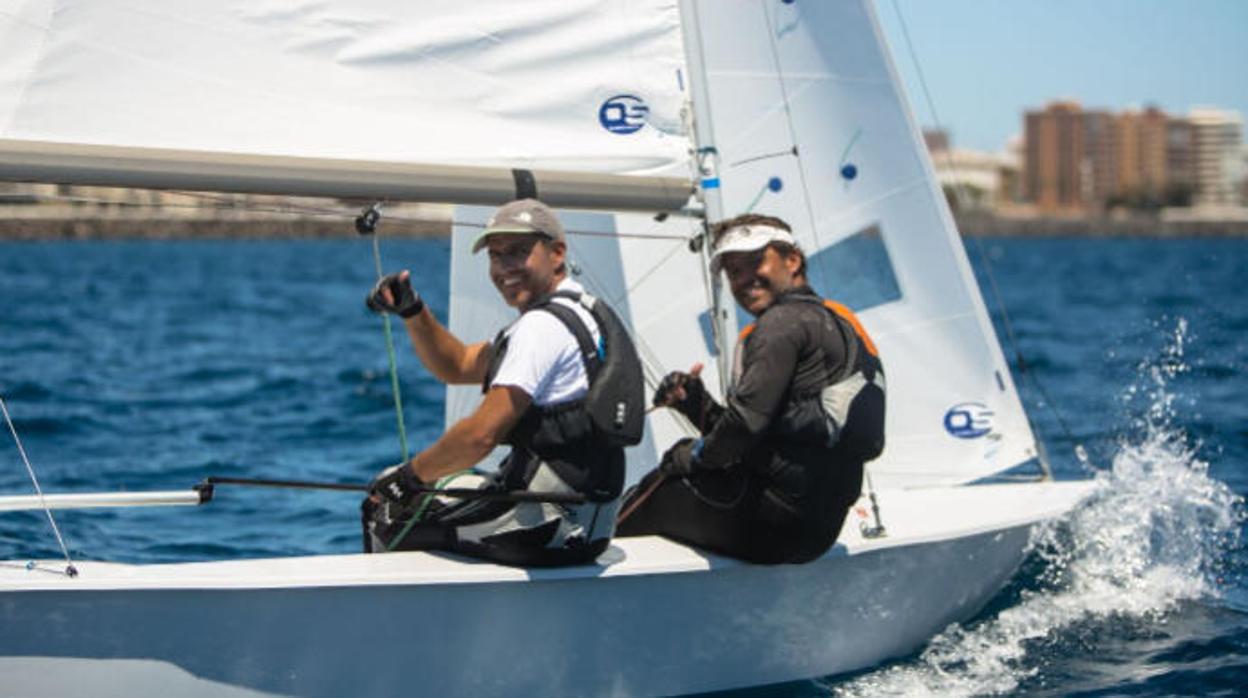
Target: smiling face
x,y
758,278
525,268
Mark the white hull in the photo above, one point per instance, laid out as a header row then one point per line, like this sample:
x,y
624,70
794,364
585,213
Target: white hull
x,y
656,618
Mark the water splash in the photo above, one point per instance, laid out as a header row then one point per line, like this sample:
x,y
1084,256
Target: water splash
x,y
1153,535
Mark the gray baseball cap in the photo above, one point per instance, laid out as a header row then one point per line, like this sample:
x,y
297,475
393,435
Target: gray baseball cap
x,y
522,217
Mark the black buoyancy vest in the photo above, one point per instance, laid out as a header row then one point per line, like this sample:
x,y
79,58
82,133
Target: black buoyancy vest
x,y
850,404
610,416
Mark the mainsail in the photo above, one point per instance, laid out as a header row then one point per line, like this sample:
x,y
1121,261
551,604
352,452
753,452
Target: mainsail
x,y
438,81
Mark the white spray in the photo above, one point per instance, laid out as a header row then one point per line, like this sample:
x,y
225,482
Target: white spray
x,y
1150,538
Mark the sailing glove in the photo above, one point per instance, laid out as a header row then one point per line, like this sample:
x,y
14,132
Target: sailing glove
x,y
403,302
398,483
681,459
685,393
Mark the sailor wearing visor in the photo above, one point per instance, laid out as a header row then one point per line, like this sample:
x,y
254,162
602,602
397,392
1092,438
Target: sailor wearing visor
x,y
780,463
535,381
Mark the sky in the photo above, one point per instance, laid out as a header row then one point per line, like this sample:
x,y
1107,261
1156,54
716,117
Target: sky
x,y
987,61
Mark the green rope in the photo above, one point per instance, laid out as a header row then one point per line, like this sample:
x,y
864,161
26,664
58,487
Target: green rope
x,y
394,368
425,501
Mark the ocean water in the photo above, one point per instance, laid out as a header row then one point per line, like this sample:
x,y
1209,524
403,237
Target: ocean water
x,y
149,365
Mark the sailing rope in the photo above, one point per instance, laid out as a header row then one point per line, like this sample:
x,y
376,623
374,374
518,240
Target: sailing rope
x,y
70,570
366,224
961,196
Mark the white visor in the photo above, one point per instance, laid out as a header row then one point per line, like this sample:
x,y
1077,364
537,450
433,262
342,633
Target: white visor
x,y
748,238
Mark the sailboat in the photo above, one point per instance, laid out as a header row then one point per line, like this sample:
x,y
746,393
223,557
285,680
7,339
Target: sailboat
x,y
640,120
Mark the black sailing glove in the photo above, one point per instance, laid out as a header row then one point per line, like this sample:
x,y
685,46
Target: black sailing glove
x,y
398,483
681,459
685,393
404,302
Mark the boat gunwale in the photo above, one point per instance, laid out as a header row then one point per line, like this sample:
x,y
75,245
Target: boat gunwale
x,y
628,557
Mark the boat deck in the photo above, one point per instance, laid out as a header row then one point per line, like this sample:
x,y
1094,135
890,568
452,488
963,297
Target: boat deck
x,y
911,516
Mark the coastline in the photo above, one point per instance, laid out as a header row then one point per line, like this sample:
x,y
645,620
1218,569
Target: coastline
x,y
42,222
989,224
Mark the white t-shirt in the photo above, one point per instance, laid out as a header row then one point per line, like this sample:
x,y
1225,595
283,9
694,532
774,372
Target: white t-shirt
x,y
543,358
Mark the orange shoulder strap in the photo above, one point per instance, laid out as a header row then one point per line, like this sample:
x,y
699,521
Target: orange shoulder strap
x,y
746,331
848,316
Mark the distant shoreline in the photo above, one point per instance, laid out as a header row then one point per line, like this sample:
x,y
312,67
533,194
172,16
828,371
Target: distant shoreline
x,y
182,229
982,224
87,227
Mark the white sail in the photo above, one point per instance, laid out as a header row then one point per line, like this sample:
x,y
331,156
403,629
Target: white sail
x,y
810,124
438,81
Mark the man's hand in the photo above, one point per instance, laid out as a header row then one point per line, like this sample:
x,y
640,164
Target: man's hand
x,y
685,393
681,459
679,388
398,483
393,294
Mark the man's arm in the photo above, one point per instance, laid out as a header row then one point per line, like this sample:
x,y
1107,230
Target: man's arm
x,y
770,362
443,354
473,437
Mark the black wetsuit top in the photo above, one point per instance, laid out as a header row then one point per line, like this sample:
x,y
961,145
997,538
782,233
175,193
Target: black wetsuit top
x,y
769,485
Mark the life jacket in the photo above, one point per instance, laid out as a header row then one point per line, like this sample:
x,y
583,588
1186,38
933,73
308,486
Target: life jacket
x,y
850,403
611,415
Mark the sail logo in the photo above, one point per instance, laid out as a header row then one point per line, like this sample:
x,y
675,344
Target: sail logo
x,y
968,420
623,114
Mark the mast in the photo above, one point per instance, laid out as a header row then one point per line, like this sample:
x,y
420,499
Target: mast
x,y
706,161
159,168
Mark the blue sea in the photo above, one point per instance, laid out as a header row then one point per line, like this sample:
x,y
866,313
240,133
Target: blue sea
x,y
149,365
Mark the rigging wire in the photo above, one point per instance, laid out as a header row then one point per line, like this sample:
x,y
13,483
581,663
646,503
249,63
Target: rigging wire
x,y
960,196
70,570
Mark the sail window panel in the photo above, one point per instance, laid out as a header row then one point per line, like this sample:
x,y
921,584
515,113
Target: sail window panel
x,y
856,271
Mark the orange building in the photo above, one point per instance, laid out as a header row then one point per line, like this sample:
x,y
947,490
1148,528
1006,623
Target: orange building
x,y
1078,161
1054,176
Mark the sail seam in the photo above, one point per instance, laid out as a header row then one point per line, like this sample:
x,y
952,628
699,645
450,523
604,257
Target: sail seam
x,y
812,76
854,211
32,70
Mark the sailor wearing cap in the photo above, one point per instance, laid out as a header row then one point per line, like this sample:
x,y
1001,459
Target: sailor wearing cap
x,y
778,465
535,379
